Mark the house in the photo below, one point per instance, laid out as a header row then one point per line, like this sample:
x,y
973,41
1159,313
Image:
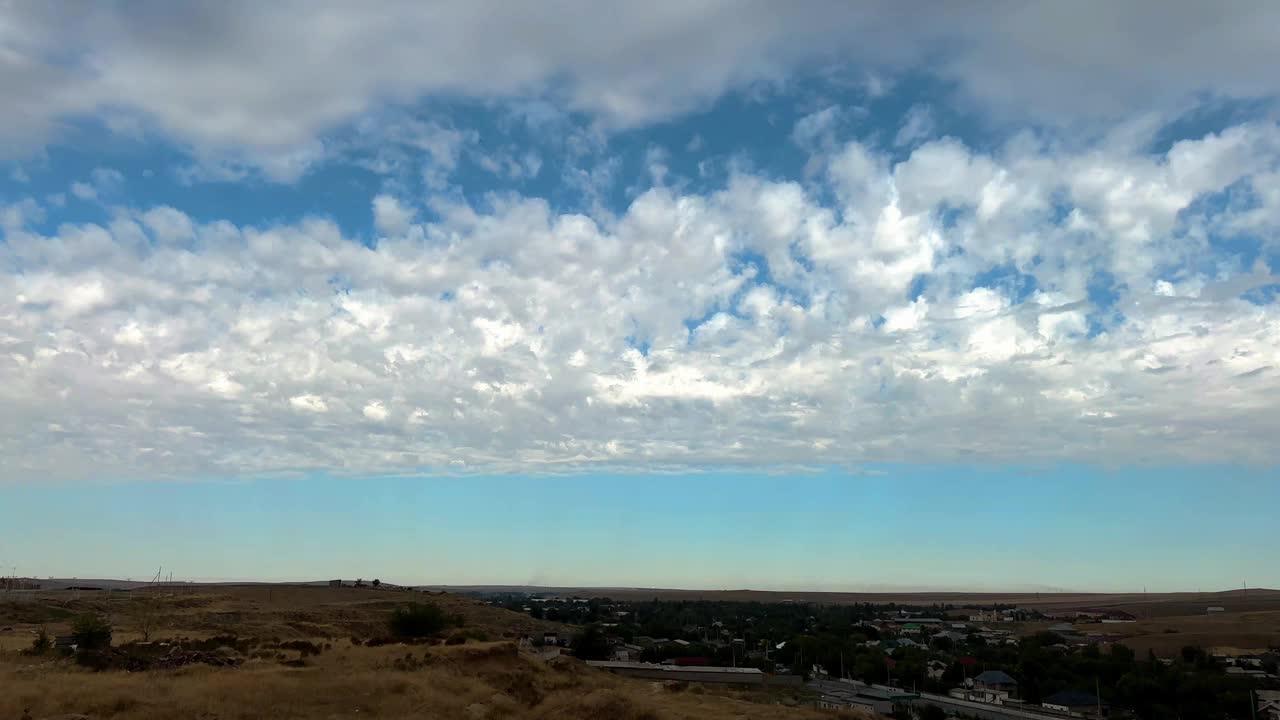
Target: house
x,y
547,652
838,699
995,680
936,669
949,635
1062,629
982,695
550,638
627,652
1075,703
1214,609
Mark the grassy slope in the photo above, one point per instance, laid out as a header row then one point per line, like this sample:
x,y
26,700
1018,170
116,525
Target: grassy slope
x,y
476,680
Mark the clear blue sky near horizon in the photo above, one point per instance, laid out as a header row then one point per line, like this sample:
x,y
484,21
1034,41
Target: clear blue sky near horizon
x,y
590,309
953,528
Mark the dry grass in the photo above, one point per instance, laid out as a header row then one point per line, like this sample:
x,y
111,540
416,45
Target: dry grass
x,y
281,611
475,681
472,681
1166,636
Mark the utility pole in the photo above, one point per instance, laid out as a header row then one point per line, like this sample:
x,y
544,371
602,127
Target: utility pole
x,y
1097,693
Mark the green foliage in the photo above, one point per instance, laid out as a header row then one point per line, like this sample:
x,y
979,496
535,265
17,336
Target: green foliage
x,y
41,645
591,644
91,632
417,620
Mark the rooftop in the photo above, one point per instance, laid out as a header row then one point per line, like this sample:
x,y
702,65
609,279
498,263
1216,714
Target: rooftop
x,y
995,677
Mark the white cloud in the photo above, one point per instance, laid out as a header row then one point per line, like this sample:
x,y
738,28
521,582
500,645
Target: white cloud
x,y
389,216
102,181
375,411
931,309
917,125
309,403
106,178
272,78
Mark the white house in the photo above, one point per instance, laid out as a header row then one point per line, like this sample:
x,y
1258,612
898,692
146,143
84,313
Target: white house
x,y
982,695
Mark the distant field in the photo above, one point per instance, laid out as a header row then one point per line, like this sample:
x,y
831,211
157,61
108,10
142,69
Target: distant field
x,y
481,679
1156,604
266,610
1166,621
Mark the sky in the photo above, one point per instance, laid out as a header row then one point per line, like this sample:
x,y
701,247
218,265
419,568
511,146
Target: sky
x,y
689,294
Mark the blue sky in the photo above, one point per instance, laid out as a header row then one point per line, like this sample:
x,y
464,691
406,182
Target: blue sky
x,y
820,299
910,527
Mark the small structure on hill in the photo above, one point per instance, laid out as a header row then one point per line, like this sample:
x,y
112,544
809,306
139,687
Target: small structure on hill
x,y
995,680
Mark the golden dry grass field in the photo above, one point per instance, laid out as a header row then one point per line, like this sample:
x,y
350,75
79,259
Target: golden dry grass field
x,y
487,678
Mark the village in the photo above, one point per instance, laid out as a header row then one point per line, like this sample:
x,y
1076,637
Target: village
x,y
984,662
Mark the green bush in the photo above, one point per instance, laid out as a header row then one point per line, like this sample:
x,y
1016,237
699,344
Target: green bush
x,y
91,632
41,645
417,620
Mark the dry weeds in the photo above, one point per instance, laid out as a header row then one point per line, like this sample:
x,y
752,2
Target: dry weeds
x,y
476,681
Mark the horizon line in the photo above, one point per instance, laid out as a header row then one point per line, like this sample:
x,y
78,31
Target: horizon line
x,y
917,590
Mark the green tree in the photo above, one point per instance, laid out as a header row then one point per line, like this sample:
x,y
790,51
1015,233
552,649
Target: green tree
x,y
416,620
591,644
42,644
91,632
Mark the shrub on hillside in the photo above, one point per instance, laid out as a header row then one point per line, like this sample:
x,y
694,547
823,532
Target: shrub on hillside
x,y
91,632
41,645
417,620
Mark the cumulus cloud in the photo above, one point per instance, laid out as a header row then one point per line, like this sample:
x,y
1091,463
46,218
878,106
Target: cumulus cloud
x,y
1025,302
389,216
223,76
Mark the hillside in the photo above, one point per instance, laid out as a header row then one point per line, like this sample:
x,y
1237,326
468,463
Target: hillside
x,y
258,651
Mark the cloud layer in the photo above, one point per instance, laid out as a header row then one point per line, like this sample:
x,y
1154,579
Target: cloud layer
x,y
1032,303
222,76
